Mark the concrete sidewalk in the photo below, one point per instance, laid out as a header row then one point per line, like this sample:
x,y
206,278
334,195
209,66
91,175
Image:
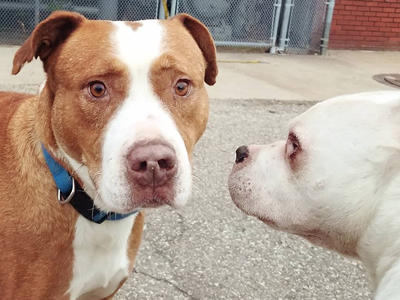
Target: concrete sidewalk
x,y
278,77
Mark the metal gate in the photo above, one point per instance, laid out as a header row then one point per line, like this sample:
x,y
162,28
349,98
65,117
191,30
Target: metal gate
x,y
305,26
19,17
291,26
237,23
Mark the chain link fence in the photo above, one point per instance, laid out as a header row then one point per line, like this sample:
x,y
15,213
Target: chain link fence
x,y
19,17
291,26
306,26
240,23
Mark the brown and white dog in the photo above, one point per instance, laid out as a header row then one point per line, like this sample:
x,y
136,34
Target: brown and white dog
x,y
335,181
123,105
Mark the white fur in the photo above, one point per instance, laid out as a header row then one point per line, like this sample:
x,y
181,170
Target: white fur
x,y
41,87
100,250
345,193
142,116
82,172
101,260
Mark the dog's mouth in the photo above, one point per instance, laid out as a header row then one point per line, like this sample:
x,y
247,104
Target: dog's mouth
x,y
156,201
268,222
313,237
151,196
140,197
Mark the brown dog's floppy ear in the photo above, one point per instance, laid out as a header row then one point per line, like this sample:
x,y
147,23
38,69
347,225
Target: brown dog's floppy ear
x,y
46,37
205,42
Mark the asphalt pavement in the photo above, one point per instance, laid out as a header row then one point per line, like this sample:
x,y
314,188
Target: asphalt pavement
x,y
211,250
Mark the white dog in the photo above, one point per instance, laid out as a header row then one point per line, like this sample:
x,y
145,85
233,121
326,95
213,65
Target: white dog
x,y
335,181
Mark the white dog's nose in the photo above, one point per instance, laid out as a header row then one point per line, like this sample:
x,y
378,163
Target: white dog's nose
x,y
241,154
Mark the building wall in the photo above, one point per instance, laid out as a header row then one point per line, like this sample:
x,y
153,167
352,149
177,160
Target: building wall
x,y
366,24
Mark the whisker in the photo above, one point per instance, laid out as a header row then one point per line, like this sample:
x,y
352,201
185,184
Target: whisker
x,y
95,197
195,177
200,185
78,169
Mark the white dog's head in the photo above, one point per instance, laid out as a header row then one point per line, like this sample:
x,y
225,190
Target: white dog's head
x,y
331,175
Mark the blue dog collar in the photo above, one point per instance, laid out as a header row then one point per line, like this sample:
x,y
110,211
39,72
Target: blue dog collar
x,y
69,191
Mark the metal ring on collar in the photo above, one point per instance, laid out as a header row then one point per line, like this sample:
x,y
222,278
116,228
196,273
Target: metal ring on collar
x,y
60,196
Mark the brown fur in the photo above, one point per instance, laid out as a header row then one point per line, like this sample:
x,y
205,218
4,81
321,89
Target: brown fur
x,y
204,41
36,231
189,54
46,37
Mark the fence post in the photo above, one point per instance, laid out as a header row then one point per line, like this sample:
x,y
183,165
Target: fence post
x,y
174,5
328,23
277,17
37,12
285,24
161,12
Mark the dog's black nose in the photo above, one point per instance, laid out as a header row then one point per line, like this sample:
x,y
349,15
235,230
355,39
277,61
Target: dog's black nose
x,y
241,153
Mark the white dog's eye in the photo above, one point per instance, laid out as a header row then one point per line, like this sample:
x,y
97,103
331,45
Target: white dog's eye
x,y
292,145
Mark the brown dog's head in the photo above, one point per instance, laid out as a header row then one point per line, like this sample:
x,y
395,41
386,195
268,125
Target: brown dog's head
x,y
124,103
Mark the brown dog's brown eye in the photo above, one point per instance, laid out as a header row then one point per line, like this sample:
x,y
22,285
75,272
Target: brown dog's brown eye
x,y
97,89
182,88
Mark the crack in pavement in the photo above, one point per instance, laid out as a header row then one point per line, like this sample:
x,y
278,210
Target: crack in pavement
x,y
167,282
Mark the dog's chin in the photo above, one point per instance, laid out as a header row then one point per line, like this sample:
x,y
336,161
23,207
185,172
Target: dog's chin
x,y
266,220
111,207
239,191
242,195
175,198
269,222
255,207
316,239
173,204
156,202
244,200
129,203
240,200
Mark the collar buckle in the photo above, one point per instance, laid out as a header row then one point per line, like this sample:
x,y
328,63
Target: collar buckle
x,y
60,196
